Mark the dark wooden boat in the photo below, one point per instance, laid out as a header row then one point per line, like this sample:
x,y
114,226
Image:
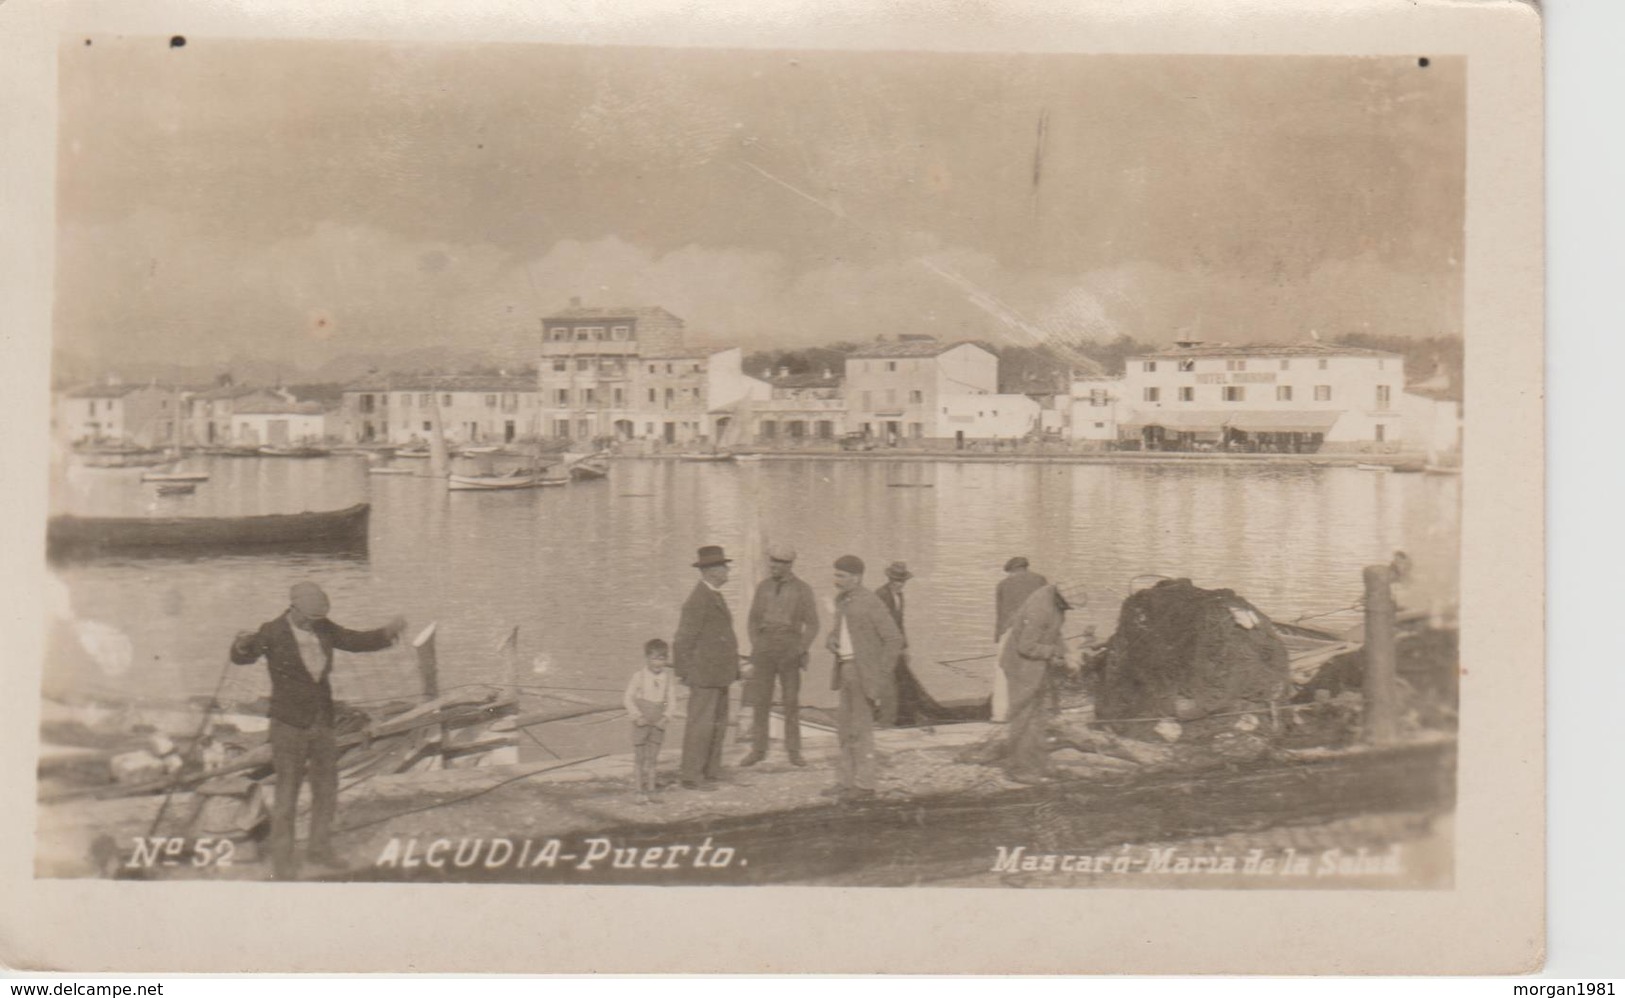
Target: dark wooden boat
x,y
587,471
340,529
298,451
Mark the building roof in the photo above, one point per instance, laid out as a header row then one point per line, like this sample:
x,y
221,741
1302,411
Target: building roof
x,y
105,391
1312,348
280,407
441,383
908,348
218,392
1438,393
577,313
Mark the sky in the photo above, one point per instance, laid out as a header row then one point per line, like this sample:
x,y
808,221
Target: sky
x,y
301,200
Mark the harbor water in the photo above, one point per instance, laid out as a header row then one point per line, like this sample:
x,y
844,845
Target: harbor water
x,y
589,572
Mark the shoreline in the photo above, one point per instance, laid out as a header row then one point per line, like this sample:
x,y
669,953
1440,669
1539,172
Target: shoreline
x,y
1390,461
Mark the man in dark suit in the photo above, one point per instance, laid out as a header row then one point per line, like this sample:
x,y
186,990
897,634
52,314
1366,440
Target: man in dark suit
x,y
705,656
298,651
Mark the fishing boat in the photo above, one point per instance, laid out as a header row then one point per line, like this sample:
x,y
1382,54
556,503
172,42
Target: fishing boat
x,y
1409,467
296,451
175,476
413,455
339,529
711,456
177,488
587,471
124,457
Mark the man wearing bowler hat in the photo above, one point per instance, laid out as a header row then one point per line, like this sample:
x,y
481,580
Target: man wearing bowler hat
x,y
866,642
782,624
705,656
298,651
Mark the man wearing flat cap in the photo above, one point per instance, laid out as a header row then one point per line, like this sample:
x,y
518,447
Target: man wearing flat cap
x,y
866,642
782,624
1035,649
705,656
298,650
1019,582
900,707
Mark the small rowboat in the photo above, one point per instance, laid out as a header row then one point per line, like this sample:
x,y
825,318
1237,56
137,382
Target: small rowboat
x,y
520,479
587,471
294,452
1373,467
175,476
719,456
339,529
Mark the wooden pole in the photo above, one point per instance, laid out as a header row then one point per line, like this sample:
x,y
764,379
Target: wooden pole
x,y
1381,696
428,666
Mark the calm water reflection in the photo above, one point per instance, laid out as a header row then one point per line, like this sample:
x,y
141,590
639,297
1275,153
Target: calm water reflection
x,y
591,571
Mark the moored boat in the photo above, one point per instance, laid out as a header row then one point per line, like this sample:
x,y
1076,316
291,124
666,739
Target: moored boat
x,y
712,456
341,529
519,479
177,488
299,451
586,471
175,476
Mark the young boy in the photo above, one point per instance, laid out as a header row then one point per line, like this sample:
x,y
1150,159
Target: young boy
x,y
650,699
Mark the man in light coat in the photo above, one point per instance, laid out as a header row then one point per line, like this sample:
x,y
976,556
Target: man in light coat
x,y
1034,648
705,656
1019,582
865,641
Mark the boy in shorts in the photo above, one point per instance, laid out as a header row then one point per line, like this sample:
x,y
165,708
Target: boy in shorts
x,y
650,699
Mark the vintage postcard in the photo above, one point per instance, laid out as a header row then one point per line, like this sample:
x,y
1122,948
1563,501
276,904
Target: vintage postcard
x,y
1040,468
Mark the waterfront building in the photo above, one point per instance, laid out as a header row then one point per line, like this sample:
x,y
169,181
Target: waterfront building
x,y
1284,397
626,372
473,409
921,388
209,413
270,420
800,407
143,415
1094,407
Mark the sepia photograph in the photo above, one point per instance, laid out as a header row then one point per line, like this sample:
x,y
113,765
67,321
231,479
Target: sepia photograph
x,y
676,465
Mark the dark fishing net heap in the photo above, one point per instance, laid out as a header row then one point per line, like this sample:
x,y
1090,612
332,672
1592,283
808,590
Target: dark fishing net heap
x,y
1186,652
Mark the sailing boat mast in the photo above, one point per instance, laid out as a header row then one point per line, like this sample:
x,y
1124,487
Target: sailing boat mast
x,y
439,461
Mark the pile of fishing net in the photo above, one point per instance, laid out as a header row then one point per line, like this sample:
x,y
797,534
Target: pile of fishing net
x,y
1192,654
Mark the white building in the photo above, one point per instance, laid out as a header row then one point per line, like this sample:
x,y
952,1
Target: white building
x,y
146,415
479,409
989,416
801,407
898,390
277,422
1298,397
1093,414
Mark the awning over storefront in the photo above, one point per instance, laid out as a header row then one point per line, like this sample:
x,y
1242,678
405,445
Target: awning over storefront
x,y
1287,421
1179,420
1247,420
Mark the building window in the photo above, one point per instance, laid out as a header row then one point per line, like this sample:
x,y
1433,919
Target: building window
x,y
583,364
490,401
406,400
1235,365
1187,395
596,332
1153,394
1381,432
696,369
1100,426
868,401
562,396
1321,364
1286,365
1187,366
649,428
1384,395
425,400
445,400
891,365
620,397
581,337
586,396
916,396
428,427
651,369
1283,393
670,395
1235,393
1323,393
668,368
1149,366
891,397
561,365
621,333
651,395
558,334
